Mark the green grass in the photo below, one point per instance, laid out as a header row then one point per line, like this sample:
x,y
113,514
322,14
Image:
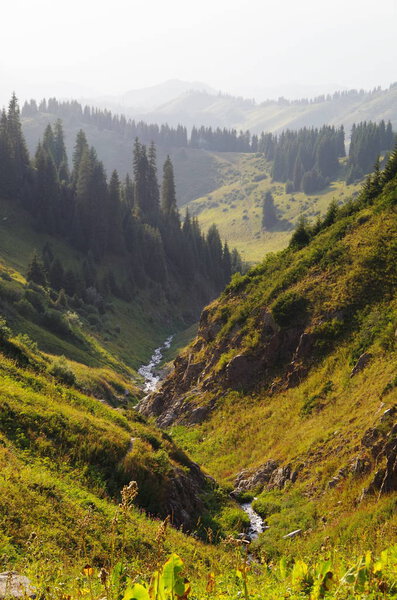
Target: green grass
x,y
236,206
340,289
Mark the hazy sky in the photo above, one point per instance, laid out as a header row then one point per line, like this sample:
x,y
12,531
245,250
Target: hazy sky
x,y
80,48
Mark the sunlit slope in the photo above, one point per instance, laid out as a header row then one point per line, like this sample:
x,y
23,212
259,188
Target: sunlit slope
x,y
293,378
236,206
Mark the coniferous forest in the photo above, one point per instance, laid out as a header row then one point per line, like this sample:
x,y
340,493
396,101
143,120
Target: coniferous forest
x,y
135,220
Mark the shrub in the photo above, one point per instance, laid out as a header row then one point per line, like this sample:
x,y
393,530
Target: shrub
x,y
289,307
25,308
56,322
5,331
234,519
62,371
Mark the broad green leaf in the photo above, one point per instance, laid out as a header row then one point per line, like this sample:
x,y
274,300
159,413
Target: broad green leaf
x,y
172,580
136,592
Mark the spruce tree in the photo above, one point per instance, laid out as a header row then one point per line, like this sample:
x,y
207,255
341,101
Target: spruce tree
x,y
36,272
168,196
269,214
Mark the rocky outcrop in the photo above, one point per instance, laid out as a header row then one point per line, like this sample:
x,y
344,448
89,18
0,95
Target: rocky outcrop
x,y
184,503
268,476
179,398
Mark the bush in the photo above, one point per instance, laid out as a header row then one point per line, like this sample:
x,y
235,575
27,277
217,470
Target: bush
x,y
56,322
289,307
62,371
5,331
35,299
234,519
266,506
25,308
26,341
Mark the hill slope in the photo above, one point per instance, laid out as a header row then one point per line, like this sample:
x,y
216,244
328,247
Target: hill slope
x,y
291,381
236,205
226,111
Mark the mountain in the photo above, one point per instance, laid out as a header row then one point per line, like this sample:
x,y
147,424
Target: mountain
x,y
340,108
288,393
149,98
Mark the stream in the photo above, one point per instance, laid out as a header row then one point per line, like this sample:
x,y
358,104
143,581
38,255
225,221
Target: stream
x,y
256,522
149,372
152,377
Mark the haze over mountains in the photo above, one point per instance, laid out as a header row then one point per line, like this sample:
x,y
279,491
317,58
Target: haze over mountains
x,y
196,103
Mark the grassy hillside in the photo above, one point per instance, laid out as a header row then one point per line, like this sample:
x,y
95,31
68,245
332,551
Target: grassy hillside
x,y
289,390
236,206
227,111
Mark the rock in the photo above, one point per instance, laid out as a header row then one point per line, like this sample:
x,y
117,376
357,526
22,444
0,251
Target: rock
x,y
198,415
361,363
270,476
292,534
242,369
360,466
388,414
333,482
13,585
280,477
248,480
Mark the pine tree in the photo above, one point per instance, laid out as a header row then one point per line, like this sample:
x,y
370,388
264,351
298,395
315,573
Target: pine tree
x,y
56,274
36,272
168,197
17,143
269,214
60,155
80,148
115,240
301,235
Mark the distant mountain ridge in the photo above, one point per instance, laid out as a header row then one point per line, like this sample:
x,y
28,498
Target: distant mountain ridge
x,y
194,103
151,97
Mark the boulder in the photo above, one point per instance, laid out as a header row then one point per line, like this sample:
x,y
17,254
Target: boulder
x,y
13,585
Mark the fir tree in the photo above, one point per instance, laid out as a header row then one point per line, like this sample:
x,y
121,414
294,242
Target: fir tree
x,y
269,214
168,197
36,272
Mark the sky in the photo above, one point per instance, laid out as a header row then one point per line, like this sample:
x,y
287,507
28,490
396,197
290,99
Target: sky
x,y
252,48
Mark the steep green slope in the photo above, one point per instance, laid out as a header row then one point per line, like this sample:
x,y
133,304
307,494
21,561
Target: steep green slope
x,y
64,460
291,382
122,336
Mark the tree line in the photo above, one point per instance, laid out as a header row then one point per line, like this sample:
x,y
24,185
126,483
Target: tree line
x,y
306,159
368,141
135,222
161,135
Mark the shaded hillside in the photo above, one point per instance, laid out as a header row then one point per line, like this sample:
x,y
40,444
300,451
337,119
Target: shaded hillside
x,y
196,171
290,384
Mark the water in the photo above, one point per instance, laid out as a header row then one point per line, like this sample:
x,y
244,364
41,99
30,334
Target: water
x,y
256,522
148,372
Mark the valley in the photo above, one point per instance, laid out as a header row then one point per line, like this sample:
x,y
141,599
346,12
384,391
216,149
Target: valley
x,y
267,447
